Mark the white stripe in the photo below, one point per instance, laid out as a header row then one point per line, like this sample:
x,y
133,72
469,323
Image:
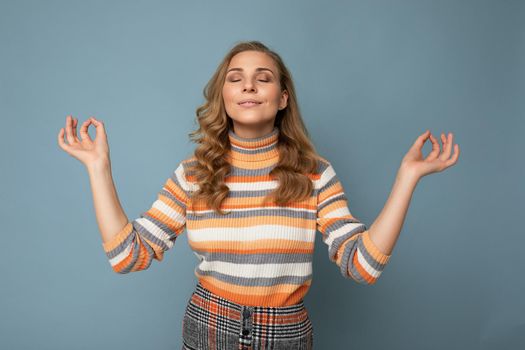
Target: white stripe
x,y
273,232
339,194
253,186
257,270
120,256
179,174
261,149
155,231
340,231
366,265
169,211
298,210
325,177
338,212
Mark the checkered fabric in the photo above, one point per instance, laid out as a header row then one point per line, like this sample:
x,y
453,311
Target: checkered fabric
x,y
211,322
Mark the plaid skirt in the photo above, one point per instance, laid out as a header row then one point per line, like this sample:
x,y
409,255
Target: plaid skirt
x,y
211,322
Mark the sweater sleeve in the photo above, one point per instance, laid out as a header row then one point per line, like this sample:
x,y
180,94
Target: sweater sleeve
x,y
146,238
347,238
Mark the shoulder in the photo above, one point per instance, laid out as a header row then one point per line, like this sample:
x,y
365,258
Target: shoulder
x,y
322,165
188,162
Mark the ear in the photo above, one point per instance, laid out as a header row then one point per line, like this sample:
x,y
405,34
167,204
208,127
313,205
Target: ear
x,y
284,100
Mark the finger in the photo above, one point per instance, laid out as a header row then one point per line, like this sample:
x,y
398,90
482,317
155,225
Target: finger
x,y
61,141
74,127
84,131
448,147
99,125
69,132
455,156
421,140
435,148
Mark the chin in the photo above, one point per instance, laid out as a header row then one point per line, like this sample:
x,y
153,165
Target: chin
x,y
251,119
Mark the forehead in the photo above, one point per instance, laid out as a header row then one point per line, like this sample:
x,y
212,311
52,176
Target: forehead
x,y
249,60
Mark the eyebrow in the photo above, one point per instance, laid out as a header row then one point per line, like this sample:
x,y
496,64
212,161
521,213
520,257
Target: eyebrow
x,y
259,69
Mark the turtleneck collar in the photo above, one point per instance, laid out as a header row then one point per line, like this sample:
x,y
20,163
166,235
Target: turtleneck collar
x,y
254,149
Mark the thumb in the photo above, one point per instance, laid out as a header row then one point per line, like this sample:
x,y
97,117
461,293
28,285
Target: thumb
x,y
98,124
421,138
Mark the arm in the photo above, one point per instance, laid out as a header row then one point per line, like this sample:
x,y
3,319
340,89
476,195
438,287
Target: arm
x,y
348,239
385,230
362,254
110,215
132,246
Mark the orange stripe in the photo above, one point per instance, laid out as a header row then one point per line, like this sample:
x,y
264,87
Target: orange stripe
x,y
176,191
252,203
369,278
373,250
264,246
173,225
282,294
334,189
251,221
118,238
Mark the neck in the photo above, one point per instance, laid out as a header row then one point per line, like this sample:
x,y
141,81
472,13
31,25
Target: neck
x,y
254,148
252,131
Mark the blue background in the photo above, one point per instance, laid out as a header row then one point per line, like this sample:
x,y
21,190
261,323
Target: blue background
x,y
370,76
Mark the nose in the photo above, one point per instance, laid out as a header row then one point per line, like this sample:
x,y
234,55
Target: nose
x,y
248,86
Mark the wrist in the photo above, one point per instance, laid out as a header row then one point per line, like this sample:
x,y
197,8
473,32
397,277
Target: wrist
x,y
408,175
101,165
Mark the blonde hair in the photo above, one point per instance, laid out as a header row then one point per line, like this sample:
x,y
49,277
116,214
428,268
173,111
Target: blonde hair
x,y
297,155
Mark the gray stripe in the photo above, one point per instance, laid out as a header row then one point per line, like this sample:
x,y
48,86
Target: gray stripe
x,y
340,222
334,180
259,150
134,255
376,265
173,198
149,236
338,197
118,249
138,229
281,212
322,165
273,258
255,282
255,193
274,131
346,262
135,260
336,244
171,234
236,171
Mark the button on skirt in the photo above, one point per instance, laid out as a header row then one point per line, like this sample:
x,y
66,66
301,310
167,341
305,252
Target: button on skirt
x,y
211,322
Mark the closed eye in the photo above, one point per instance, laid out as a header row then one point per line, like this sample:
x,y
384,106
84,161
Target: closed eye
x,y
234,81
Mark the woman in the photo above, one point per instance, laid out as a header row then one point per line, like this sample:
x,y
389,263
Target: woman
x,y
251,198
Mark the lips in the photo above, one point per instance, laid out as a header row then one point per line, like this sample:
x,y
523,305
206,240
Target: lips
x,y
249,102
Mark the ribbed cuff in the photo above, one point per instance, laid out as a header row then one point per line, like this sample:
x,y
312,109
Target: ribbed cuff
x,y
374,250
118,239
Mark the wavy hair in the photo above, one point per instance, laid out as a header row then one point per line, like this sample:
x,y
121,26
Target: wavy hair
x,y
297,155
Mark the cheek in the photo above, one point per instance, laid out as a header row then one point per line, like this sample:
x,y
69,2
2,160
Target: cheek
x,y
226,95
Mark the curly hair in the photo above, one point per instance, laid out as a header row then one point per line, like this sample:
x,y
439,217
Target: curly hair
x,y
297,155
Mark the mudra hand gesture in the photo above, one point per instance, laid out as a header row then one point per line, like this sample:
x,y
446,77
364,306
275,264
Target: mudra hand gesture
x,y
89,152
414,164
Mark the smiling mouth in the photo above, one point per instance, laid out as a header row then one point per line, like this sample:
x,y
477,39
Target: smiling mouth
x,y
249,104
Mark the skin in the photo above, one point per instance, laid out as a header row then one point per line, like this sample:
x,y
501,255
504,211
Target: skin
x,y
255,122
243,81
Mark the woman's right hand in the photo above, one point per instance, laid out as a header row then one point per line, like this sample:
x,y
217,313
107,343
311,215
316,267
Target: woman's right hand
x,y
89,152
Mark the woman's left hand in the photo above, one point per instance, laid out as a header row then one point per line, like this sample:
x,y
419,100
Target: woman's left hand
x,y
414,164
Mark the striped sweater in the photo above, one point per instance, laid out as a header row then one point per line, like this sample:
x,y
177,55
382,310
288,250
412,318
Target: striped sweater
x,y
259,254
